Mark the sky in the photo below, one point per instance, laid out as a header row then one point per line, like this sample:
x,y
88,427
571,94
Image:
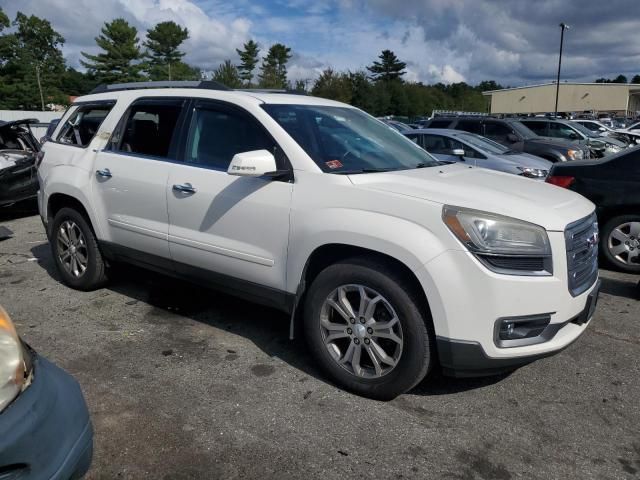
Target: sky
x,y
514,42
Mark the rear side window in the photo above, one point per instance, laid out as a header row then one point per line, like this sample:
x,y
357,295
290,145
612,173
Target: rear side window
x,y
469,126
83,124
439,124
148,127
218,133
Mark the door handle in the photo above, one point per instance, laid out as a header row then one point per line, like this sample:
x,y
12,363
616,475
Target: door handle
x,y
106,173
185,188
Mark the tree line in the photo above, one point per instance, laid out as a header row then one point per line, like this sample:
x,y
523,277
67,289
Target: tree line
x,y
34,73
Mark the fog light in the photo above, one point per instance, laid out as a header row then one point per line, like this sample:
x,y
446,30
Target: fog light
x,y
516,331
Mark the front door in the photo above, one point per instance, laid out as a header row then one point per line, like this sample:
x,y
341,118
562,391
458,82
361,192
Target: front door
x,y
229,231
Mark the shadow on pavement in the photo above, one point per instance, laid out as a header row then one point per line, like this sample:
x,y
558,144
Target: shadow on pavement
x,y
267,328
621,288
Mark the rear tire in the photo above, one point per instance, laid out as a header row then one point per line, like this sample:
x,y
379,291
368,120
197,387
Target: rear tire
x,y
75,251
404,351
620,243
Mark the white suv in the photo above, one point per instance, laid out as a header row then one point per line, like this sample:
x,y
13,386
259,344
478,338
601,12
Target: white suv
x,y
391,262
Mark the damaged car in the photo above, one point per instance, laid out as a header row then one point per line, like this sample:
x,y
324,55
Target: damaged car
x,y
45,428
18,151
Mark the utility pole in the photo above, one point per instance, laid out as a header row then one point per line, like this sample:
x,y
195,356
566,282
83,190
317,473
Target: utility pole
x,y
563,26
39,86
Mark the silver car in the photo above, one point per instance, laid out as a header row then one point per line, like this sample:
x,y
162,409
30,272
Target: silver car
x,y
459,146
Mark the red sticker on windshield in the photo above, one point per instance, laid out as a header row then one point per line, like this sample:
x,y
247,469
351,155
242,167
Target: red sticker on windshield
x,y
332,164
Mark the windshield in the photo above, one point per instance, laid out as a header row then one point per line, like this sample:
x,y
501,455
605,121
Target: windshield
x,y
347,140
582,129
483,144
523,130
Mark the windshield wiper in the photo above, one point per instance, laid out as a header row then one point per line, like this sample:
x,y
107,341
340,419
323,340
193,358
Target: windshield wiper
x,y
366,170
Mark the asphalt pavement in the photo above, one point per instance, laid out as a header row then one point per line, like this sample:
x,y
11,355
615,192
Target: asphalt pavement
x,y
184,382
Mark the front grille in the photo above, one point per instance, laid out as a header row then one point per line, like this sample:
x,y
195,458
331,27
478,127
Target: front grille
x,y
581,239
526,264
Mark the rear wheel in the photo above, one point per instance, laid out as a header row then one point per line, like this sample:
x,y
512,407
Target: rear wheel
x,y
367,329
75,251
620,243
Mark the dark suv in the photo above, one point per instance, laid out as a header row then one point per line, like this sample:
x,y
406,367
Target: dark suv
x,y
513,134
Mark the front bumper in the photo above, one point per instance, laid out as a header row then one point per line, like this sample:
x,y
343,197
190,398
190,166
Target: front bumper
x,y
46,433
467,299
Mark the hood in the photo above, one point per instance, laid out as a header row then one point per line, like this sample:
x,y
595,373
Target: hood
x,y
526,160
613,141
537,202
11,158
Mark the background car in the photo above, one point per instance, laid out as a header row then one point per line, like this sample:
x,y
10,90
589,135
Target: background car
x,y
613,184
458,146
18,150
599,146
396,125
45,429
600,128
514,135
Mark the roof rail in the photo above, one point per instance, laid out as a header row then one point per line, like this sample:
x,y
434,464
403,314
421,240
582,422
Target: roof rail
x,y
272,90
203,84
456,113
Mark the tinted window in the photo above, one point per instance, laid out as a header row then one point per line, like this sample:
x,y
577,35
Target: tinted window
x,y
497,131
469,126
83,124
439,124
539,128
594,127
149,127
341,139
216,135
560,130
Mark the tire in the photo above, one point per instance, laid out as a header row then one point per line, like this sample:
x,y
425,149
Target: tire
x,y
399,299
93,274
613,247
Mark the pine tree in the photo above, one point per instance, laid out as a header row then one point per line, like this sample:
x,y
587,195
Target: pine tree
x,y
273,71
248,61
227,74
388,68
120,59
162,43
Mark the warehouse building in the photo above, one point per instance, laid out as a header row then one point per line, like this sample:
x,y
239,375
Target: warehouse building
x,y
619,98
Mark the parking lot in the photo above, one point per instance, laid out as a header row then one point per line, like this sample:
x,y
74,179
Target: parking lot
x,y
183,382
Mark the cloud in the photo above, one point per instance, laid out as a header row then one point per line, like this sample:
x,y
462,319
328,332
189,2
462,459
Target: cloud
x,y
511,41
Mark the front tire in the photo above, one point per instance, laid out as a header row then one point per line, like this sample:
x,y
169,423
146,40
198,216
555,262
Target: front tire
x,y
75,251
620,243
367,328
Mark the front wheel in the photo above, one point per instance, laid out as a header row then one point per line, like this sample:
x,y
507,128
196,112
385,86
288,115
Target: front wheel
x,y
620,243
367,329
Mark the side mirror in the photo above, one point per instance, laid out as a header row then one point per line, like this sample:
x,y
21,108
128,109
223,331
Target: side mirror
x,y
458,152
512,138
574,136
602,129
252,164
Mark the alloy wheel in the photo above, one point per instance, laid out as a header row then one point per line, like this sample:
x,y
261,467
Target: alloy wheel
x,y
361,331
624,243
72,249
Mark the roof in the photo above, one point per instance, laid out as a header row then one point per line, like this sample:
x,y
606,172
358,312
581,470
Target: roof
x,y
487,92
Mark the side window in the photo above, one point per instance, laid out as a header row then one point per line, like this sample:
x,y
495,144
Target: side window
x,y
594,127
439,124
469,126
436,144
562,131
539,128
497,131
148,128
216,135
83,124
414,138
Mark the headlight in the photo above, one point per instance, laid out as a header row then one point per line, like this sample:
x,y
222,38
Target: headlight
x,y
575,154
503,244
533,172
13,361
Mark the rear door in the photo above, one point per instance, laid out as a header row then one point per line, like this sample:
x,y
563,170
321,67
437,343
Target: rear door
x,y
227,230
130,179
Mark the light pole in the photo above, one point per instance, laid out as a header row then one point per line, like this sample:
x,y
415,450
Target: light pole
x,y
563,26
